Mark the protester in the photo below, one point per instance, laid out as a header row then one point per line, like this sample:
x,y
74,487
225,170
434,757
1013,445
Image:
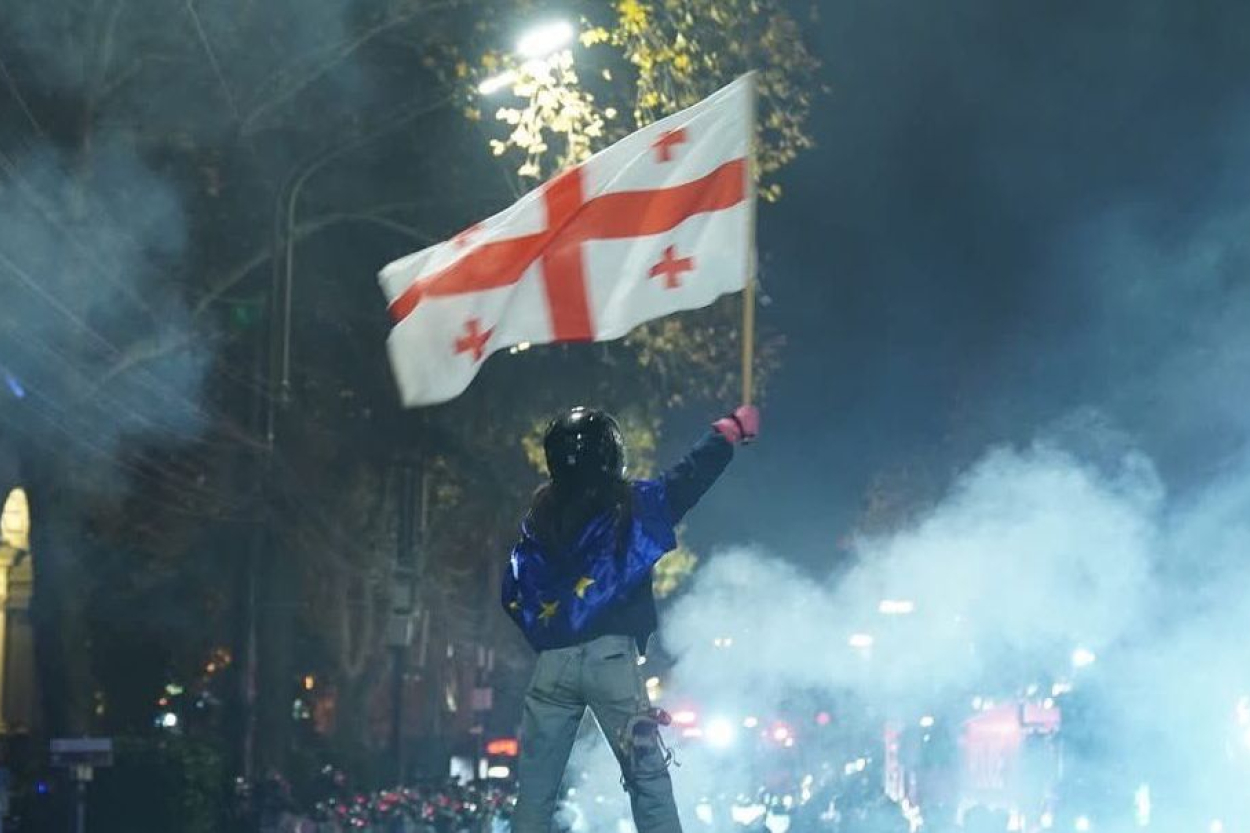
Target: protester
x,y
579,587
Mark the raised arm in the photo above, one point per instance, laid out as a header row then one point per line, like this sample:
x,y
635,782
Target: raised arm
x,y
687,482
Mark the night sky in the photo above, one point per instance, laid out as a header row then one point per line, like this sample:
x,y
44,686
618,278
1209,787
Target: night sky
x,y
1022,220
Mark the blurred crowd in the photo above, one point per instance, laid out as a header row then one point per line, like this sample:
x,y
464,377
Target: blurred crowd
x,y
449,807
440,807
850,805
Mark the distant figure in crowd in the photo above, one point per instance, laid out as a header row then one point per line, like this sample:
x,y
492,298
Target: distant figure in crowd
x,y
579,587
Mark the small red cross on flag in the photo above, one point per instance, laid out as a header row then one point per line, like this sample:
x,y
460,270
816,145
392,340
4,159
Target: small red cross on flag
x,y
672,267
474,340
668,140
576,259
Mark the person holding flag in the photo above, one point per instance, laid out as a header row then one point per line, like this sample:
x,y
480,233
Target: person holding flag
x,y
660,222
579,586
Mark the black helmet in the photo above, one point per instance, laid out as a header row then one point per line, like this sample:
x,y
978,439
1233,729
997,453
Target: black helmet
x,y
584,447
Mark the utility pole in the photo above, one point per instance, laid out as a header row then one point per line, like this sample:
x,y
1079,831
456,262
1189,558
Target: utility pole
x,y
264,572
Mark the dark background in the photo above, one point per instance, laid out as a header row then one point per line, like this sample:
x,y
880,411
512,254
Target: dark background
x,y
1017,215
1020,222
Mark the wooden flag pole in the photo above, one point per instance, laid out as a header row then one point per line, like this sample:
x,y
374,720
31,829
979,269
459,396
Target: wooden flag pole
x,y
748,291
748,338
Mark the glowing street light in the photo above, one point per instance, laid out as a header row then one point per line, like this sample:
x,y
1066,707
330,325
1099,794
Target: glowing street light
x,y
720,733
1083,657
535,45
544,39
896,607
862,641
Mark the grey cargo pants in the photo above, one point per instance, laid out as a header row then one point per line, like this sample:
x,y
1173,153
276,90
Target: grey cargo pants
x,y
603,675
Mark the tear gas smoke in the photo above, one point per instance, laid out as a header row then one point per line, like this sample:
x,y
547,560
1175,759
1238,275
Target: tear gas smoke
x,y
1036,562
1100,566
89,259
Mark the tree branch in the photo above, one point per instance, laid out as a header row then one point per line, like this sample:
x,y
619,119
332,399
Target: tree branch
x,y
303,230
343,52
146,351
212,59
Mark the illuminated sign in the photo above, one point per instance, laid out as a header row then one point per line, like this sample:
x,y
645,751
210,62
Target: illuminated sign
x,y
503,747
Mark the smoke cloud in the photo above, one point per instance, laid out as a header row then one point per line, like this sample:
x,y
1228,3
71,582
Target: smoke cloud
x,y
90,256
1099,564
1036,557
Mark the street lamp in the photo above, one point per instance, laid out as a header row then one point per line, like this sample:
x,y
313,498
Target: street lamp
x,y
542,40
534,46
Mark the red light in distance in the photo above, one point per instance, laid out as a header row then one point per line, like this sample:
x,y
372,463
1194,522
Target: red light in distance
x,y
503,747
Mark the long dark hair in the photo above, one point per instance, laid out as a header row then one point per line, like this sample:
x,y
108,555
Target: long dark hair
x,y
559,514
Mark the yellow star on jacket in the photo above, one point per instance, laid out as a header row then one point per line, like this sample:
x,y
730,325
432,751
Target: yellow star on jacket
x,y
559,604
548,612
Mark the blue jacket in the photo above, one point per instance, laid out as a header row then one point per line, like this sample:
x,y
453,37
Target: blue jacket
x,y
607,590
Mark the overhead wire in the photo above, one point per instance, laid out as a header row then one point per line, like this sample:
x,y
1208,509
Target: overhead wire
x,y
50,417
33,286
142,376
40,351
56,414
83,433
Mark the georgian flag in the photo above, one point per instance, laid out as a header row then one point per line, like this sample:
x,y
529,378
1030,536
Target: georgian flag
x,y
659,222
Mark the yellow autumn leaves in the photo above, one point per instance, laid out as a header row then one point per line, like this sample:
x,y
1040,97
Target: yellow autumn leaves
x,y
649,60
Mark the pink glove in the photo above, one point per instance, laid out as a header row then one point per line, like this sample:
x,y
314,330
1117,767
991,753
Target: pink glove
x,y
742,426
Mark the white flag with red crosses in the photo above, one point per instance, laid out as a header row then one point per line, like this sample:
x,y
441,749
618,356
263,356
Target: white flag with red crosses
x,y
659,222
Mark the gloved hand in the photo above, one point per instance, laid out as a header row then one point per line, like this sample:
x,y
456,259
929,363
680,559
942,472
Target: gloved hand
x,y
742,426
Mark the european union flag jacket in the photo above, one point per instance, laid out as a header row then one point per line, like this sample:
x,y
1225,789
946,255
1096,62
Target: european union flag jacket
x,y
563,599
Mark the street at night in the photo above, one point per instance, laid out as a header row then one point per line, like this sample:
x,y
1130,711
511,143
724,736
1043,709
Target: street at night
x,y
624,416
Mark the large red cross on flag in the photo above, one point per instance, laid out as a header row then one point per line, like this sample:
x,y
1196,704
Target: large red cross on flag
x,y
658,222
